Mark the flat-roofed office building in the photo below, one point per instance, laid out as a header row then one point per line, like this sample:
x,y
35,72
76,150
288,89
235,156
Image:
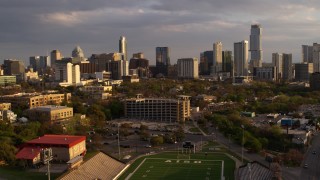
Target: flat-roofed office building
x,y
163,110
50,113
188,68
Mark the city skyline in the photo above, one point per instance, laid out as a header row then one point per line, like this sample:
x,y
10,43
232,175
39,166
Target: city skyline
x,y
186,27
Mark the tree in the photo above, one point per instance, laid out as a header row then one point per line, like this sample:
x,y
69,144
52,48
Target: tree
x,y
96,115
97,140
81,130
168,138
253,144
28,131
143,127
116,108
144,135
264,142
124,132
77,105
107,113
125,125
179,134
6,127
157,140
7,152
293,157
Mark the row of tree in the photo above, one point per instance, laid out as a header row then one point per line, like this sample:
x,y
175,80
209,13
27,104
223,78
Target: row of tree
x,y
234,126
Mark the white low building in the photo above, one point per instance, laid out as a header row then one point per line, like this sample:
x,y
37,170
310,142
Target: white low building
x,y
7,115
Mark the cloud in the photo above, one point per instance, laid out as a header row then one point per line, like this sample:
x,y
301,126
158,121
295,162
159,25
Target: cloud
x,y
188,26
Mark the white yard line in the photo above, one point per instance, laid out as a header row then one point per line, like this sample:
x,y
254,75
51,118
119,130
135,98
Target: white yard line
x,y
128,177
121,172
222,165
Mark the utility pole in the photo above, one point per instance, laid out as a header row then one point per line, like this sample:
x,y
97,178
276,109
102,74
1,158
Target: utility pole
x,y
46,158
242,126
119,141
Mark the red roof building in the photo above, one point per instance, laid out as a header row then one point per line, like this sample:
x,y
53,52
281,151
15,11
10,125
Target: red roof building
x,y
28,153
56,141
64,147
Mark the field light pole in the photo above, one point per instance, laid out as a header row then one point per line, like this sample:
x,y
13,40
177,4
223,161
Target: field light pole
x,y
119,142
242,126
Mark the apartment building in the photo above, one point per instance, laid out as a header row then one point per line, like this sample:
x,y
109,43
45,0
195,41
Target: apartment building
x,y
31,100
5,106
98,92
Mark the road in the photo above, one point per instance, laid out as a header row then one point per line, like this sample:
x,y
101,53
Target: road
x,y
287,173
137,146
312,160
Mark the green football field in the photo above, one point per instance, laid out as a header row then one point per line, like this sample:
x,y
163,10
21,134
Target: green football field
x,y
211,166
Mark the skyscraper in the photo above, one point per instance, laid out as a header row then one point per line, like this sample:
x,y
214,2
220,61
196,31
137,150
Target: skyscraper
x,y
162,60
307,53
277,61
287,67
39,63
123,47
55,55
217,57
241,58
303,71
44,62
101,60
77,52
13,67
34,62
316,57
255,46
206,62
188,68
227,62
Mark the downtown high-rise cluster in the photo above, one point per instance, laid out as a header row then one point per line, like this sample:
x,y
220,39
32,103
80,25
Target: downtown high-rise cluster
x,y
244,62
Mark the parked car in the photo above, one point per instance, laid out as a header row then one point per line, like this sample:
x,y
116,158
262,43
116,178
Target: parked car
x,y
125,146
188,144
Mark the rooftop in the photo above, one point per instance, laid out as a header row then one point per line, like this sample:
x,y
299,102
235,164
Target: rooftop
x,y
101,166
28,153
50,108
57,140
22,95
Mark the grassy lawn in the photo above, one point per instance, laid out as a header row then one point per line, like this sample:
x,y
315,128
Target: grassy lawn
x,y
204,129
194,129
213,146
171,165
16,173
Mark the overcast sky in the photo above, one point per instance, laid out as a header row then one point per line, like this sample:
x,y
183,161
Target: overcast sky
x,y
188,27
